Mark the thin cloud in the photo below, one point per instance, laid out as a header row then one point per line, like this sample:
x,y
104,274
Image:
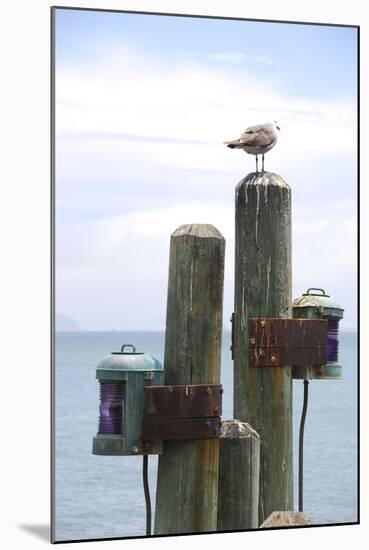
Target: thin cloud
x,y
132,138
240,57
194,103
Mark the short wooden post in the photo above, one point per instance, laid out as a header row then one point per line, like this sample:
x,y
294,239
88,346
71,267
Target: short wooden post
x,y
187,488
263,395
239,467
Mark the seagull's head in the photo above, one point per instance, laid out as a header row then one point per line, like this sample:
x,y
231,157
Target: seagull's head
x,y
275,123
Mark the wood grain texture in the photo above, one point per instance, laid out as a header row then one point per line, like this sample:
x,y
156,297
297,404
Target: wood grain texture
x,y
187,488
263,396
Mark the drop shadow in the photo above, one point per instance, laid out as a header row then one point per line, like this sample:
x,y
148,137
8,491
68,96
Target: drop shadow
x,y
40,531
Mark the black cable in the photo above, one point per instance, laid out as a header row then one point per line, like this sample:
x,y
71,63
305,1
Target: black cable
x,y
147,494
301,447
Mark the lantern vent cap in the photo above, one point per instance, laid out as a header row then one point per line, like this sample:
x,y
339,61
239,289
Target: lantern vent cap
x,y
316,297
132,360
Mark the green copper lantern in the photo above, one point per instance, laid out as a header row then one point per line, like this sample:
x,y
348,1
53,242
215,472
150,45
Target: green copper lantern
x,y
122,376
316,304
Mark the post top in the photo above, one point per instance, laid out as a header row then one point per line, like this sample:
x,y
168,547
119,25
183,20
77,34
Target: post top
x,y
198,230
264,179
285,518
235,429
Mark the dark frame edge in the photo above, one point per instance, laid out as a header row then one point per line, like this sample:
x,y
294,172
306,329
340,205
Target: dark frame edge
x,y
52,274
285,528
358,274
198,16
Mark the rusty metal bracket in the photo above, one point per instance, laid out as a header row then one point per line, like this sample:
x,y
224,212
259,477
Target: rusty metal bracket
x,y
276,342
182,412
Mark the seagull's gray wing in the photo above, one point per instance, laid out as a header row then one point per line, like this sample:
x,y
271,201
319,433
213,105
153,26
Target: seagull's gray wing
x,y
256,129
257,136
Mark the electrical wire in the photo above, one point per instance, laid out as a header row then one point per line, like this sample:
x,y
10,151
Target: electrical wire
x,y
147,493
301,447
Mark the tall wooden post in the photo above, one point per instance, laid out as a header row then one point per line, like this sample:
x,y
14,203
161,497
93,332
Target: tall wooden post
x,y
263,395
187,488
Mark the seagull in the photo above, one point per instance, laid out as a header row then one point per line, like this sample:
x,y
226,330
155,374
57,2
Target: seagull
x,y
257,140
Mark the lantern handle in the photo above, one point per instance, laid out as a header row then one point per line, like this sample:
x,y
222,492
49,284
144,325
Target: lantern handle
x,y
128,346
308,293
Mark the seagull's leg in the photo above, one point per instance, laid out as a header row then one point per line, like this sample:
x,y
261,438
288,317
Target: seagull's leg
x,y
257,170
262,163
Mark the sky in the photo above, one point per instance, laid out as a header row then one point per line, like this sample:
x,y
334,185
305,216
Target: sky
x,y
143,106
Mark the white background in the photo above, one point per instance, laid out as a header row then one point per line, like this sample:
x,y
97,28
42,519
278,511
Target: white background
x,y
25,267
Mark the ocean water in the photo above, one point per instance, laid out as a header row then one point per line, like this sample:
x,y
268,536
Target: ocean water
x,y
101,497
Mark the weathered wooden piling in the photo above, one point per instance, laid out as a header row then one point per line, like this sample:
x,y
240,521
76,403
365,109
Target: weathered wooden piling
x,y
187,488
263,395
239,468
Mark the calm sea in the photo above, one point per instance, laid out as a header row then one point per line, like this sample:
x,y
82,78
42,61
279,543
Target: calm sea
x,y
100,497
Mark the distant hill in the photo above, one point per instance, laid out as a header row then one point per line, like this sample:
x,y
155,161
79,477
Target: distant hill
x,y
64,323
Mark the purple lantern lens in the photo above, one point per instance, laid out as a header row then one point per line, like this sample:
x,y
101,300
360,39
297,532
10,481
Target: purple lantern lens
x,y
332,344
111,408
